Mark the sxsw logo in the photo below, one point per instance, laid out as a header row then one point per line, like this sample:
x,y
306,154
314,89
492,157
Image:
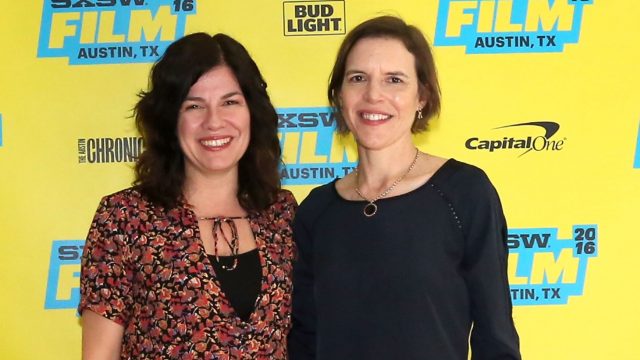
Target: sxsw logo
x,y
111,31
63,290
313,152
509,26
547,270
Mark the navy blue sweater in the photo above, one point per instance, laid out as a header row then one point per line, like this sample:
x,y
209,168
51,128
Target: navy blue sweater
x,y
419,280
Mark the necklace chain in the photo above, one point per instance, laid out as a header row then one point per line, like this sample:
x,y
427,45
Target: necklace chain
x,y
372,208
233,243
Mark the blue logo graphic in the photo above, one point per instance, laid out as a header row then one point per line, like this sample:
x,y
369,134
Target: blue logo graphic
x,y
63,290
313,153
545,270
509,26
111,31
636,163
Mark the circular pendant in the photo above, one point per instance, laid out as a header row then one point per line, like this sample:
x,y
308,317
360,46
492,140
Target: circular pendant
x,y
232,267
370,209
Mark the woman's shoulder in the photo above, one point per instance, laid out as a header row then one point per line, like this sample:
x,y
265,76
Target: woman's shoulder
x,y
285,203
319,194
459,174
125,199
124,204
463,182
285,196
113,213
318,200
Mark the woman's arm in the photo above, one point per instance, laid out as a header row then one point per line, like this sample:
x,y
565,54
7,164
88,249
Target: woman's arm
x,y
493,335
105,283
101,337
302,338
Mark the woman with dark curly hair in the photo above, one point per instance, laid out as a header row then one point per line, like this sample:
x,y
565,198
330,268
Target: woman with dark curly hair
x,y
194,260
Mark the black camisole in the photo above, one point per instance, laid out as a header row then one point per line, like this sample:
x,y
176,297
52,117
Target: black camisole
x,y
241,286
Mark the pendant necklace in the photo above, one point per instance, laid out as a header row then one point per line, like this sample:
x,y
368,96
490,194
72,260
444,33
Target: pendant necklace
x,y
233,243
372,208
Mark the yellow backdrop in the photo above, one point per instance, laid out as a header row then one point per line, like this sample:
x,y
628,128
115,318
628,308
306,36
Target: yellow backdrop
x,y
542,94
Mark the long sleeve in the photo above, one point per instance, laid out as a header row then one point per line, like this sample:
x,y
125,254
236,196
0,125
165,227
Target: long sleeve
x,y
409,283
493,336
302,338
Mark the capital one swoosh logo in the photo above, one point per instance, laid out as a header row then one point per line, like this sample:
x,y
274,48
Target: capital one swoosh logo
x,y
535,142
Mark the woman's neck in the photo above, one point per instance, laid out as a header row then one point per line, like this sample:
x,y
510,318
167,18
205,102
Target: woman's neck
x,y
213,195
377,169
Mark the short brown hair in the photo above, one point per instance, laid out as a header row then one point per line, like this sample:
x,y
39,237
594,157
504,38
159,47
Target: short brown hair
x,y
413,39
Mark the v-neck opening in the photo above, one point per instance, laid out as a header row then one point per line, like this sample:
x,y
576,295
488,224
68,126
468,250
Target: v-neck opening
x,y
262,252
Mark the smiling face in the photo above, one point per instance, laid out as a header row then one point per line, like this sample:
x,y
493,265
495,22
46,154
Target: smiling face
x,y
379,94
214,124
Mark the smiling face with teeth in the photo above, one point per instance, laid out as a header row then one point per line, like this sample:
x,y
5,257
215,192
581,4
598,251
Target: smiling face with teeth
x,y
214,124
379,95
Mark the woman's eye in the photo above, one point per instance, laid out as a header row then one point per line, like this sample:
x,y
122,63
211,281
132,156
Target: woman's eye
x,y
395,80
192,107
356,78
231,102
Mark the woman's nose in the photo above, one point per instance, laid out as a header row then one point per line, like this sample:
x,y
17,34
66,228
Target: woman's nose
x,y
373,92
214,119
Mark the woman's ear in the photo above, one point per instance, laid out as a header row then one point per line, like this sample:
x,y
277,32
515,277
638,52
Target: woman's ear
x,y
423,95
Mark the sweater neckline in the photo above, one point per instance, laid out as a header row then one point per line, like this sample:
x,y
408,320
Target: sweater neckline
x,y
435,175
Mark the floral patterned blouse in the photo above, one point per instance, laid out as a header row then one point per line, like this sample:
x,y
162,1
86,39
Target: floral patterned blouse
x,y
146,268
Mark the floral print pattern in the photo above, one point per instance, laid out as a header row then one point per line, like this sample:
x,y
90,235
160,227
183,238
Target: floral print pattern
x,y
145,268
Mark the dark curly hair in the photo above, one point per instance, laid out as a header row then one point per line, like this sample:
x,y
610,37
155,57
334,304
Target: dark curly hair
x,y
412,38
159,171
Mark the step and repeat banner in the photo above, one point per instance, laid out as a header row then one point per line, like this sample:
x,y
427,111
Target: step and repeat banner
x,y
542,94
